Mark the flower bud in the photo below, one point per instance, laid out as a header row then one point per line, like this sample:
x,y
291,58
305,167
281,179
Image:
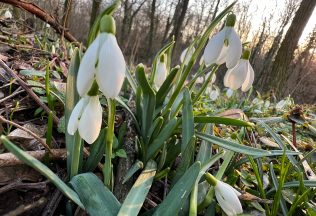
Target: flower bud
x,y
231,20
107,24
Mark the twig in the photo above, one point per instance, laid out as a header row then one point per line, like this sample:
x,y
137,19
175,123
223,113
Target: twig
x,y
24,208
18,184
9,159
28,90
43,15
27,131
16,92
53,203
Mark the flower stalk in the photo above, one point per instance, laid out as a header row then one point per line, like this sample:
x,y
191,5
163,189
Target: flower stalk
x,y
107,168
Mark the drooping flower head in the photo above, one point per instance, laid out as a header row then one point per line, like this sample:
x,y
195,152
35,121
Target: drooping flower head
x,y
103,62
242,75
7,14
226,195
225,46
161,71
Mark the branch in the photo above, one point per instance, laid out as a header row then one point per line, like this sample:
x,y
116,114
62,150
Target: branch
x,y
43,15
28,90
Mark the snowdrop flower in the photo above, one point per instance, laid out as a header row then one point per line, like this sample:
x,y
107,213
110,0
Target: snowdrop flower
x,y
214,95
161,72
186,55
281,104
226,195
7,15
225,46
229,92
103,62
86,117
199,80
47,25
242,75
266,104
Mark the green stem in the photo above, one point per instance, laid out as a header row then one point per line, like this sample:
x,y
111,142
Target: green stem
x,y
75,154
107,168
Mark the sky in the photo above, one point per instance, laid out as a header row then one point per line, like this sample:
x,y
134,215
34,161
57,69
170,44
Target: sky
x,y
262,8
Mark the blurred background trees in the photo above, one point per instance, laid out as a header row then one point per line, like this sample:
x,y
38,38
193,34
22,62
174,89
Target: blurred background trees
x,y
283,63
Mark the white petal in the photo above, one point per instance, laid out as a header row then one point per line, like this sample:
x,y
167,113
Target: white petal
x,y
214,95
111,68
91,120
87,68
249,79
235,77
75,116
161,74
234,50
228,199
186,55
229,92
8,14
214,47
222,56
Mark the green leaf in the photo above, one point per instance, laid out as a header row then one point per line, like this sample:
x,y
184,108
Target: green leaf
x,y
205,149
165,133
154,129
97,150
233,146
136,196
222,120
121,102
121,153
187,120
166,87
179,193
307,183
148,100
97,199
44,170
32,73
186,160
135,167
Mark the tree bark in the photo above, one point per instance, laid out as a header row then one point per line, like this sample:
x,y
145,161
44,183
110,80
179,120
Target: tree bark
x,y
276,77
179,15
151,28
94,11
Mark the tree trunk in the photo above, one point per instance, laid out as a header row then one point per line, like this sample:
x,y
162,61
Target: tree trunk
x,y
94,11
276,77
151,29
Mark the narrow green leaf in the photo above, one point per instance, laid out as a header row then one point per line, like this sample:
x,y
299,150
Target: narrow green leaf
x,y
136,196
186,160
97,199
161,138
222,120
307,183
44,170
121,102
205,150
155,129
135,167
179,193
187,120
233,146
148,101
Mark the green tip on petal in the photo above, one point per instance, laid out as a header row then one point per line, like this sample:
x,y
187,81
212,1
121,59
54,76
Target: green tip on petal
x,y
94,90
107,24
210,179
231,20
246,55
162,58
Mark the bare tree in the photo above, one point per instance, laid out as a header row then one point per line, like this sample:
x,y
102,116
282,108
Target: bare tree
x,y
94,10
276,77
152,27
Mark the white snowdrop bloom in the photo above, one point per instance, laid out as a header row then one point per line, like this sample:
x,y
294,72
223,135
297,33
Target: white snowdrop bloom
x,y
229,92
8,15
161,72
242,75
199,80
86,117
103,62
186,55
280,105
227,198
214,95
266,104
225,46
47,25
